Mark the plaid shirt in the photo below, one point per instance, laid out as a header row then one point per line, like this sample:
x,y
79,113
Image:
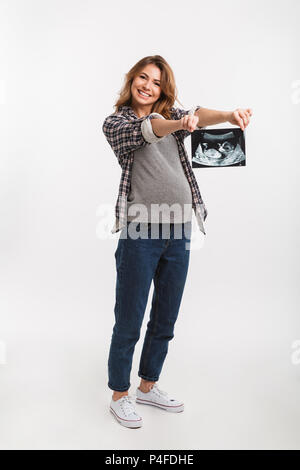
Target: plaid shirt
x,y
125,133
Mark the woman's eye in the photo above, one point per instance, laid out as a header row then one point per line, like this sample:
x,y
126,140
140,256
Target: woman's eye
x,y
157,84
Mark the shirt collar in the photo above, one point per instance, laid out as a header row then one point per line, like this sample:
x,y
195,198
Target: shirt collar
x,y
128,110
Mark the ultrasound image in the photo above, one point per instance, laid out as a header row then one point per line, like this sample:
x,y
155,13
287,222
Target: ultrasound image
x,y
218,147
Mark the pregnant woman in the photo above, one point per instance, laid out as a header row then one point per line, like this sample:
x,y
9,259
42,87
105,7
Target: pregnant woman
x,y
158,194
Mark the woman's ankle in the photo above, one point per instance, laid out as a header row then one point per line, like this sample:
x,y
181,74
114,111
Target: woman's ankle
x,y
145,385
117,395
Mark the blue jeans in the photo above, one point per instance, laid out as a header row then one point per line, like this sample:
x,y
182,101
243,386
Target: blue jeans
x,y
163,257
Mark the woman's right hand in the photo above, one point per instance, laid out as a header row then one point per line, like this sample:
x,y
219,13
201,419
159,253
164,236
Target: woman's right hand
x,y
189,122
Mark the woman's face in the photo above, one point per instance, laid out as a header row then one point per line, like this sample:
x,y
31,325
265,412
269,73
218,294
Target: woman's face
x,y
147,81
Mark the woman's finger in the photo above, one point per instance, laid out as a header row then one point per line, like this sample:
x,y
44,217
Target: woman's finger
x,y
191,122
245,118
239,119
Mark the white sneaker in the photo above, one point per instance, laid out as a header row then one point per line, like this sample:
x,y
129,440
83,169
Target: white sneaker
x,y
124,411
157,397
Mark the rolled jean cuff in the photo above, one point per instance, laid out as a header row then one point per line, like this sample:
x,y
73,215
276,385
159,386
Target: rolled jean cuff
x,y
150,379
118,389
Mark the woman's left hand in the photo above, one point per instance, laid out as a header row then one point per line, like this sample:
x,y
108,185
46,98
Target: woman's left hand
x,y
241,117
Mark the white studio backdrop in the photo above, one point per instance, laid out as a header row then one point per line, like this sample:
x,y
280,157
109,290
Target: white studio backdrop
x,y
237,337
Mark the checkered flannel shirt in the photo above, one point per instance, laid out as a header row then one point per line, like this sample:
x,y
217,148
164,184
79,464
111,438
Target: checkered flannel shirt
x,y
125,133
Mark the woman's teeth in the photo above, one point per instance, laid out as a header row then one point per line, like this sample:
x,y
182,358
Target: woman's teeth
x,y
143,94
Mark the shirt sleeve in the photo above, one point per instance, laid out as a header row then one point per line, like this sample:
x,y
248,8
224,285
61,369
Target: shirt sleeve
x,y
147,130
178,113
125,135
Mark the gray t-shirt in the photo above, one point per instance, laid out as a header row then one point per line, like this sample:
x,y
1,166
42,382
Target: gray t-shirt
x,y
158,178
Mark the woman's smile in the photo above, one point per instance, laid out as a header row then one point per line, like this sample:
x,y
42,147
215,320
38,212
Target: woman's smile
x,y
143,94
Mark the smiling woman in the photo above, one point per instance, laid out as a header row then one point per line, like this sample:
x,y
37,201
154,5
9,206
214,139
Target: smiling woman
x,y
145,89
149,86
157,192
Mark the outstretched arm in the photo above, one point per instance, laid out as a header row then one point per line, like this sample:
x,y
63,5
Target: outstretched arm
x,y
187,122
162,127
183,123
208,117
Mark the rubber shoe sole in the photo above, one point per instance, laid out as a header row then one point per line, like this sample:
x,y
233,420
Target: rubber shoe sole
x,y
127,423
171,409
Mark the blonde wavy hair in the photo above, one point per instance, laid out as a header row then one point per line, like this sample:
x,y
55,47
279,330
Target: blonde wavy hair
x,y
168,94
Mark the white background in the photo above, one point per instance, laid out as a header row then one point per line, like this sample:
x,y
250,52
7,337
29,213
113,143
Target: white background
x,y
231,361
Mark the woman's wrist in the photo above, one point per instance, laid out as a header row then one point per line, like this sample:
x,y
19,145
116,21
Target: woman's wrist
x,y
163,127
227,115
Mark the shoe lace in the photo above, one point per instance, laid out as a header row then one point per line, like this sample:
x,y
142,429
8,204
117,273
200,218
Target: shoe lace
x,y
159,391
127,405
